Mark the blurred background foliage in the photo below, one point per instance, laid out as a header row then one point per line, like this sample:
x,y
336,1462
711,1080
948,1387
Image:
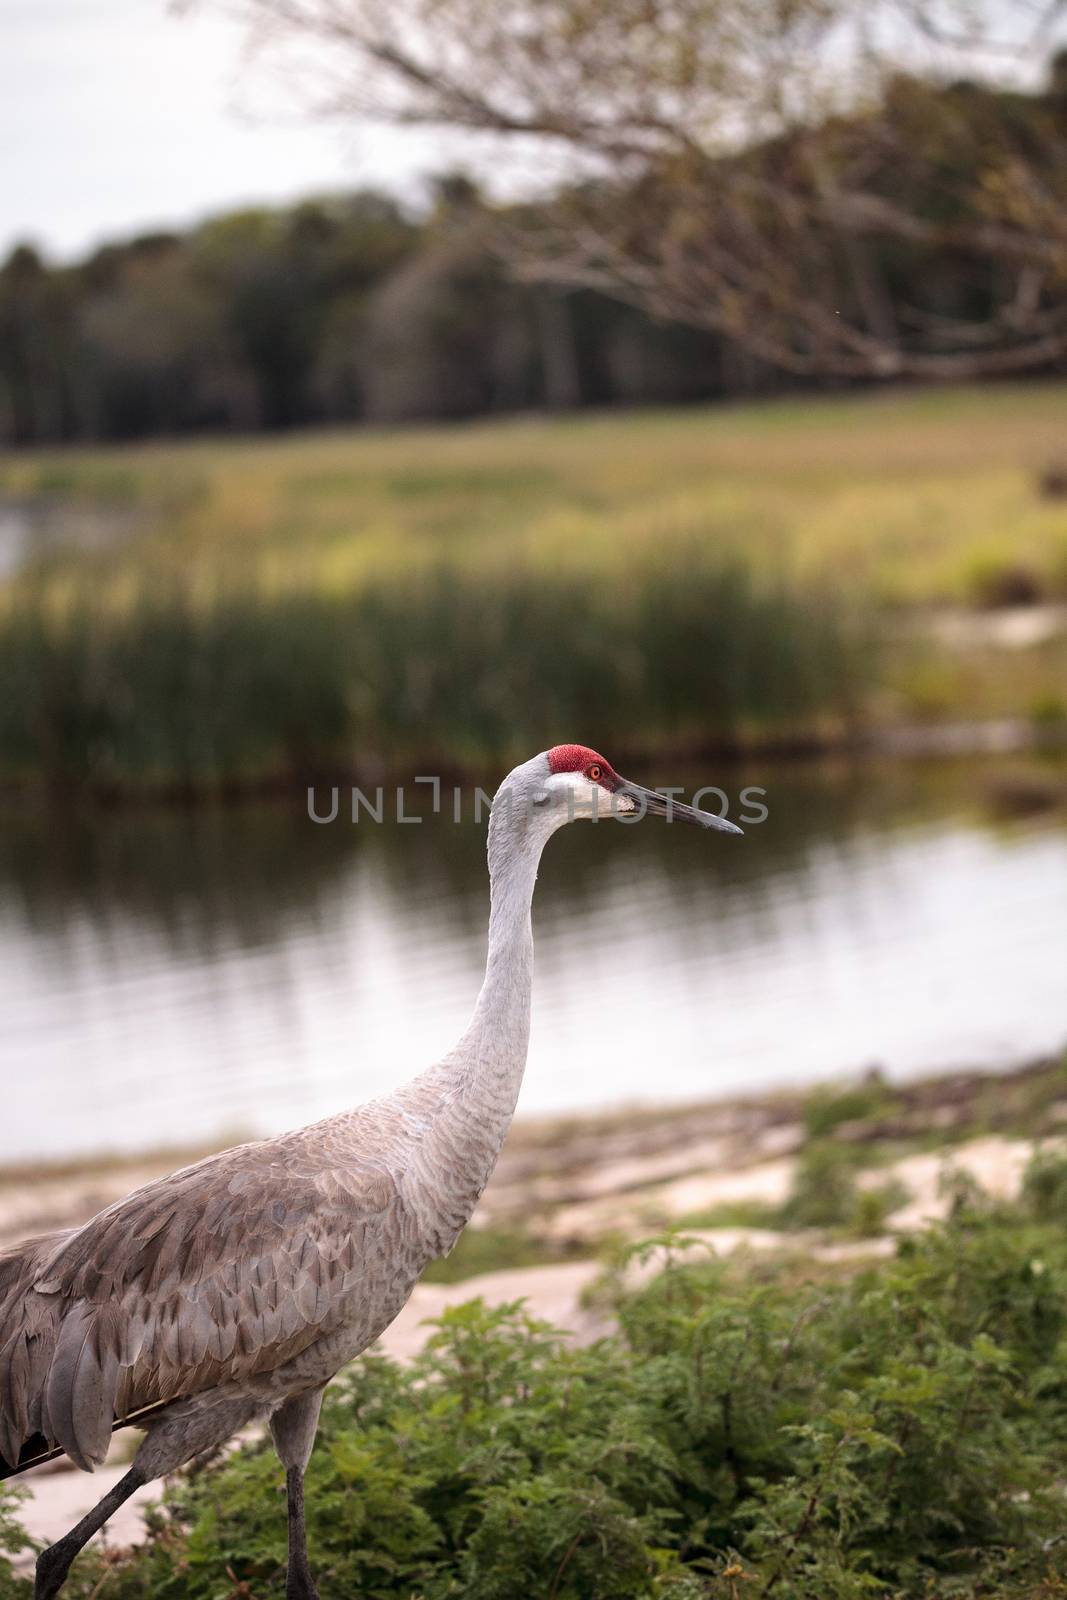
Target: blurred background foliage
x,y
358,308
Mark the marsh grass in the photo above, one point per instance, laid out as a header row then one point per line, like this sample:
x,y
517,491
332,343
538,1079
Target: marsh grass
x,y
686,578
455,667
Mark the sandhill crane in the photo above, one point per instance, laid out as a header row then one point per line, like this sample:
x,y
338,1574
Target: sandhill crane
x,y
234,1290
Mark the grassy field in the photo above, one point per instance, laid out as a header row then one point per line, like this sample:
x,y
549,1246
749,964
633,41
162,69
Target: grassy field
x,y
669,578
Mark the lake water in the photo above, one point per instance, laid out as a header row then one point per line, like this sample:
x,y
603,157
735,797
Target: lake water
x,y
34,528
169,978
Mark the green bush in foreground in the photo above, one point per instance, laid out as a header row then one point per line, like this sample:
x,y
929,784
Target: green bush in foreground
x,y
747,1432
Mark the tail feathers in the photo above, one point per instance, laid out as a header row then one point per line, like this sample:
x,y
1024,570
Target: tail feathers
x,y
72,1368
79,1398
29,1324
59,1365
35,1451
17,1387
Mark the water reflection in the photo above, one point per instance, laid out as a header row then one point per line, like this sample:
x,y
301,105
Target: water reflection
x,y
33,529
169,976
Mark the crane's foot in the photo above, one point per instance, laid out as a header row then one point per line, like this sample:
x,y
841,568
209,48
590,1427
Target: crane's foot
x,y
53,1565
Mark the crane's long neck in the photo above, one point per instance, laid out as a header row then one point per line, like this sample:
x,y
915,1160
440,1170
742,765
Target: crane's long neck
x,y
499,1030
470,1095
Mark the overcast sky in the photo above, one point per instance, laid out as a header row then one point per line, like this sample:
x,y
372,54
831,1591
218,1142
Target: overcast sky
x,y
116,116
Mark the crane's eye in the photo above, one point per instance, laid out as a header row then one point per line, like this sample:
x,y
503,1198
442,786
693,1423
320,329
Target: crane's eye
x,y
595,773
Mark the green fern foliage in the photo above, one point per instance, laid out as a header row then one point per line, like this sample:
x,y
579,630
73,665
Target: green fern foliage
x,y
899,1433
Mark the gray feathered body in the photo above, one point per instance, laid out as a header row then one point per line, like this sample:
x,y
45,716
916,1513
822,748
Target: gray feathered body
x,y
254,1275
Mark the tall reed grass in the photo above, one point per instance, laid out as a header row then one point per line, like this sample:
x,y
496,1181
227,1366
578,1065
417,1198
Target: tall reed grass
x,y
467,670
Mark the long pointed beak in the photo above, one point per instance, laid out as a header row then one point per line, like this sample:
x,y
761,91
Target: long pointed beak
x,y
648,803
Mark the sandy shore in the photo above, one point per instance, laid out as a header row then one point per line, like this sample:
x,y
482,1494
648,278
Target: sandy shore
x,y
576,1178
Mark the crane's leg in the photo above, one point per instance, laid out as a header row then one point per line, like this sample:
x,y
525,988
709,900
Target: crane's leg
x,y
53,1564
293,1428
183,1431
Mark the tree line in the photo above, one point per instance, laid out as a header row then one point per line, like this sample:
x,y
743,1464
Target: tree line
x,y
334,310
354,309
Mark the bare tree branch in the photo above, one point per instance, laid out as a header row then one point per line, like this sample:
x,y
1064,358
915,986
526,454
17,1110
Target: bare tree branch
x,y
776,171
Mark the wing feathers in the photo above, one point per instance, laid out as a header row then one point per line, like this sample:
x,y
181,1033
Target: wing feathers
x,y
224,1270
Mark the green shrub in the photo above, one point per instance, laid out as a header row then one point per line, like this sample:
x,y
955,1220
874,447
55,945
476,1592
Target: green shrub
x,y
1047,710
13,1538
875,1206
824,1192
828,1106
993,580
1044,1191
748,1431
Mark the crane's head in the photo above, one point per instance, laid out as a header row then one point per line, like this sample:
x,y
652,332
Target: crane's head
x,y
577,782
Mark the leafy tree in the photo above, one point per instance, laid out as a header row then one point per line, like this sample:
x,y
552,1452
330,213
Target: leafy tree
x,y
781,174
36,381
